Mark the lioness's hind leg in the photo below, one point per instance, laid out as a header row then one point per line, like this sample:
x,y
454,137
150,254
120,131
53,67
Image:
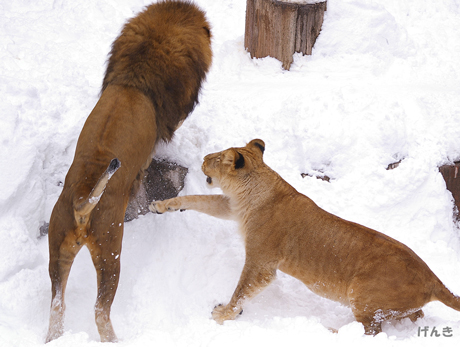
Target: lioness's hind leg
x,y
365,313
372,326
414,316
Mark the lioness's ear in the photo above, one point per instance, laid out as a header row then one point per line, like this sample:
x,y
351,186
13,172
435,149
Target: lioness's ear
x,y
239,163
258,144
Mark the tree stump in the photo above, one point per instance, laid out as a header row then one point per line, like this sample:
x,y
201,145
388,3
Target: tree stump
x,y
281,28
451,174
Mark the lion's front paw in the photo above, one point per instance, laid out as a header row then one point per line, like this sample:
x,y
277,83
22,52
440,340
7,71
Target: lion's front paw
x,y
222,313
164,206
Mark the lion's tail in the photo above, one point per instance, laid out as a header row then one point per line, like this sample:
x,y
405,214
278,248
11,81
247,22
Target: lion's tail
x,y
83,209
441,293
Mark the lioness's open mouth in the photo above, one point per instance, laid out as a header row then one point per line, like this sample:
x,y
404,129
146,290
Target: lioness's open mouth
x,y
208,179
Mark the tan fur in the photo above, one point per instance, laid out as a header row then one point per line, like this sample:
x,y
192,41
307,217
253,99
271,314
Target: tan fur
x,y
377,276
153,78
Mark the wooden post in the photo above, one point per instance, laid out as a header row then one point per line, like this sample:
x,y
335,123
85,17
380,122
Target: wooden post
x,y
451,174
279,28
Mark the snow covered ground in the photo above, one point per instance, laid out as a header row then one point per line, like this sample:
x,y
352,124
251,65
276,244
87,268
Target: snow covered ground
x,y
382,85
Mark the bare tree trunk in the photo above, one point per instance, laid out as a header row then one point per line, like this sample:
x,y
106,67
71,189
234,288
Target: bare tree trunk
x,y
279,29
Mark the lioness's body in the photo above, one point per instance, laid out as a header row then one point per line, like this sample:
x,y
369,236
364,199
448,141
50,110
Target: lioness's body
x,y
152,82
379,277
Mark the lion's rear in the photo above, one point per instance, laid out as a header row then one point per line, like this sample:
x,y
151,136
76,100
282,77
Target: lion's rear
x,y
153,78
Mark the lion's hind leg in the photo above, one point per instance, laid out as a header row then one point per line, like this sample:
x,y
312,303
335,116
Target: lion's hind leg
x,y
63,249
106,260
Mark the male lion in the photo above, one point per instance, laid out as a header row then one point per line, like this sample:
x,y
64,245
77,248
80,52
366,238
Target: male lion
x,y
152,82
377,276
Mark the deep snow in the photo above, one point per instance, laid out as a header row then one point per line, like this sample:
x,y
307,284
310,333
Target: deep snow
x,y
382,85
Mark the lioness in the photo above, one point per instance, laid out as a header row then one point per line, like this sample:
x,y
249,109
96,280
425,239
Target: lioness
x,y
153,78
377,276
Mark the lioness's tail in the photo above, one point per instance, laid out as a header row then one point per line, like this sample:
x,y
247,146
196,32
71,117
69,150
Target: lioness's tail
x,y
441,293
82,210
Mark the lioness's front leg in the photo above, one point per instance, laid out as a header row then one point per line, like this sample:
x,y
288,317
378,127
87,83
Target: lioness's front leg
x,y
254,278
213,205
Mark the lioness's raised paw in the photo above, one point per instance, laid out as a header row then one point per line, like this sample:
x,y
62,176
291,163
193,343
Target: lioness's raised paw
x,y
222,313
160,207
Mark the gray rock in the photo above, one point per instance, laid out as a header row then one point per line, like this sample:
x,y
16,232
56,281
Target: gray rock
x,y
162,180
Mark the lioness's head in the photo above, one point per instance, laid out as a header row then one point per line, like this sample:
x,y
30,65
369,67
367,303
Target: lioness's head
x,y
232,163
